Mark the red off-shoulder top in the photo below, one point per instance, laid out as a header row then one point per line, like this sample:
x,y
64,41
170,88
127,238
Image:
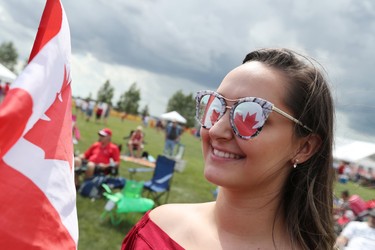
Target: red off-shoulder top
x,y
147,235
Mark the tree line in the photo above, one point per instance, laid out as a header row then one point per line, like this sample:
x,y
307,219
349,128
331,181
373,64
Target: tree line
x,y
128,101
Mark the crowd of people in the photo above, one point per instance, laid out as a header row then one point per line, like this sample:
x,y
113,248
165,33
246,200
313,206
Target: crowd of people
x,y
103,156
89,108
354,222
354,218
358,235
347,171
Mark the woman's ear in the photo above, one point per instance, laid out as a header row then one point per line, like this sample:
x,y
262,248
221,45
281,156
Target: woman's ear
x,y
307,148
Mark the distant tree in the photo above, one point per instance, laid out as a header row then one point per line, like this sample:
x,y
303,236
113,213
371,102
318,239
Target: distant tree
x,y
129,100
8,55
145,111
105,93
185,105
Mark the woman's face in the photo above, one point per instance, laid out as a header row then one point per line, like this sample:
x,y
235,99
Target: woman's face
x,y
260,163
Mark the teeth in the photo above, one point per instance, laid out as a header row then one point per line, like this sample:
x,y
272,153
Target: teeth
x,y
225,154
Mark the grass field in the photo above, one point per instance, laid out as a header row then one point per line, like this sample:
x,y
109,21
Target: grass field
x,y
187,187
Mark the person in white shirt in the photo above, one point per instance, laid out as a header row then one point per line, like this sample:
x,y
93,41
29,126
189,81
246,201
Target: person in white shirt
x,y
358,235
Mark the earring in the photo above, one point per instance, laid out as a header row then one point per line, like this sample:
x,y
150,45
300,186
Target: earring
x,y
295,164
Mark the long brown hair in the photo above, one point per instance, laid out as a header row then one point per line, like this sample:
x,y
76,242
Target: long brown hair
x,y
308,191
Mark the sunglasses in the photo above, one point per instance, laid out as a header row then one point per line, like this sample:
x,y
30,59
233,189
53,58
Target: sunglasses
x,y
247,115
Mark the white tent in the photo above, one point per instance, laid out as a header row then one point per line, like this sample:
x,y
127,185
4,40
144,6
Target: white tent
x,y
174,115
6,75
354,151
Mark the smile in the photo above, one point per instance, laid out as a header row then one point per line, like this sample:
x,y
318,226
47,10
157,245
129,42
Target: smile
x,y
225,154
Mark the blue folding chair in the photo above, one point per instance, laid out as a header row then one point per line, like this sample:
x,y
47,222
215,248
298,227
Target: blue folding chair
x,y
160,183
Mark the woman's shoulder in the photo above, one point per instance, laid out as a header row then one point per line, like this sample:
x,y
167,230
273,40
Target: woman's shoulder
x,y
181,220
182,216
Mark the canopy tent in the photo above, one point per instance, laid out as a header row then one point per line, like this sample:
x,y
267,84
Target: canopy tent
x,y
174,115
6,75
354,151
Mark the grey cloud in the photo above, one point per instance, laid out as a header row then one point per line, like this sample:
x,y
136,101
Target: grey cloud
x,y
202,40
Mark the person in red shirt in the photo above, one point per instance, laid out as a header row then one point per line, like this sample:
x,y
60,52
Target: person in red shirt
x,y
101,155
136,142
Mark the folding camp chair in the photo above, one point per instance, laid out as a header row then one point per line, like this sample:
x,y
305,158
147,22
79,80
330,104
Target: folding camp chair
x,y
127,201
179,152
160,183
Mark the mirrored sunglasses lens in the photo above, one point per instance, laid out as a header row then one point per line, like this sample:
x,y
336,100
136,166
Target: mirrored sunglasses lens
x,y
209,110
248,118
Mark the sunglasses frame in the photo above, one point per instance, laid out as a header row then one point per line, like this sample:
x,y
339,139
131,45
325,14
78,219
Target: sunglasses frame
x,y
266,106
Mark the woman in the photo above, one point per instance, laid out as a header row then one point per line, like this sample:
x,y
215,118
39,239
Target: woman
x,y
136,142
275,173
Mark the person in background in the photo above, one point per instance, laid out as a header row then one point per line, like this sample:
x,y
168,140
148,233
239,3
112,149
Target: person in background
x,y
136,142
172,137
6,88
100,156
267,136
358,234
77,104
107,111
1,92
99,112
90,109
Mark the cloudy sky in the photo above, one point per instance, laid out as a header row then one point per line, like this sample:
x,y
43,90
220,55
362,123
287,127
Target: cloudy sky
x,y
190,45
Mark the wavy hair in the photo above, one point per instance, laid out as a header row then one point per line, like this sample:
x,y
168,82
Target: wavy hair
x,y
308,191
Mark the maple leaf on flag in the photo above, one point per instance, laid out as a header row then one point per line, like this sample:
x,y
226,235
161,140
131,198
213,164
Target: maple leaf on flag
x,y
36,159
54,134
246,126
214,116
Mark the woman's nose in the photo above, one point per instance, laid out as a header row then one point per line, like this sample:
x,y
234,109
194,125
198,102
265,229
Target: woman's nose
x,y
222,128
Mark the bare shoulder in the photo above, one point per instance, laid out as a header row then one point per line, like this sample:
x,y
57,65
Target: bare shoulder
x,y
172,217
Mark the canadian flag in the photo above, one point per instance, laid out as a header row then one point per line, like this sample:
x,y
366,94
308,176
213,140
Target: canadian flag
x,y
37,192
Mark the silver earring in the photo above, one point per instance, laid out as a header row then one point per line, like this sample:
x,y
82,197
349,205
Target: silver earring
x,y
295,164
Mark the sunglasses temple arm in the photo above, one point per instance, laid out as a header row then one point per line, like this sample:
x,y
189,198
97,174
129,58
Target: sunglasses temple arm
x,y
290,117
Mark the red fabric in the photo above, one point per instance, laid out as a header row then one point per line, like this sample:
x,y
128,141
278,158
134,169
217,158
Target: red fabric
x,y
6,88
54,136
357,204
136,138
38,198
341,169
98,154
147,235
370,204
30,222
49,26
17,108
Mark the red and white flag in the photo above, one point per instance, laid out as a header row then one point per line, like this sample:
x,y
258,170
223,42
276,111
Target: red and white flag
x,y
37,192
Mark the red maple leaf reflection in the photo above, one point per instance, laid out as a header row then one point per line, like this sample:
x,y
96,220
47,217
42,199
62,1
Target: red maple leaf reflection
x,y
246,126
55,136
214,116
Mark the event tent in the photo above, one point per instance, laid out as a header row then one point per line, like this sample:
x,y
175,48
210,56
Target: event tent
x,y
173,115
355,151
6,75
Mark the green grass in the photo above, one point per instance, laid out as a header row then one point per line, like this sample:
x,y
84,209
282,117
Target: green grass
x,y
354,188
188,186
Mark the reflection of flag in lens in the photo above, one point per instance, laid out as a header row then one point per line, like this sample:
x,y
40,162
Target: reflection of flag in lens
x,y
210,114
214,116
246,126
37,195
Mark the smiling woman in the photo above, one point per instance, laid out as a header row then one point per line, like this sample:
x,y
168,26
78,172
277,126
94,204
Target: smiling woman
x,y
267,142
